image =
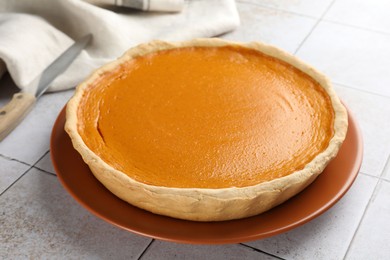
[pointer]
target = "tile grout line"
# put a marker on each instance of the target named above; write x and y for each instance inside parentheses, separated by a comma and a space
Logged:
(44, 171)
(12, 184)
(314, 27)
(368, 175)
(358, 27)
(387, 166)
(276, 9)
(360, 90)
(40, 169)
(44, 154)
(21, 176)
(385, 180)
(146, 249)
(261, 251)
(373, 176)
(13, 159)
(361, 219)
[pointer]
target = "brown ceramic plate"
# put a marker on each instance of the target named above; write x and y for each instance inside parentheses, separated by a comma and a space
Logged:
(327, 189)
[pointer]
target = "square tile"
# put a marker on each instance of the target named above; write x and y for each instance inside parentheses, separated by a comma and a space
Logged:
(267, 25)
(39, 220)
(10, 171)
(372, 14)
(372, 113)
(328, 236)
(167, 250)
(373, 236)
(350, 56)
(45, 164)
(31, 139)
(314, 8)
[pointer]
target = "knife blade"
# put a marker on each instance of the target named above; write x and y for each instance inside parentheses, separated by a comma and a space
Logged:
(22, 103)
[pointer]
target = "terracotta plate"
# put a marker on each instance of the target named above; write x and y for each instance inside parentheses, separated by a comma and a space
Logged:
(329, 187)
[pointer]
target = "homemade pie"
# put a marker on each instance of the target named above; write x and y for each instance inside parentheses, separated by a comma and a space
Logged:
(207, 129)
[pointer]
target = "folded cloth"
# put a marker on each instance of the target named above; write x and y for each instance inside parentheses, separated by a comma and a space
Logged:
(34, 33)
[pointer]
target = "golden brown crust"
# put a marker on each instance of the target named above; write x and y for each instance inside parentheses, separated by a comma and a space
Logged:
(207, 204)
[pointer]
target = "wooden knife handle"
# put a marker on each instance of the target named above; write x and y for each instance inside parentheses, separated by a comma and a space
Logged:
(13, 113)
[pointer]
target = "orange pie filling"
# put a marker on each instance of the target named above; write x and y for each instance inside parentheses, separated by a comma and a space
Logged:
(206, 117)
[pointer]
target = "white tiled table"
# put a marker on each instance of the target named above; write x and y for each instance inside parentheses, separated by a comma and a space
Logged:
(347, 39)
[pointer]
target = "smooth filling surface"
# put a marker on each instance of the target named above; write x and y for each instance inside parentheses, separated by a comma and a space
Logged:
(206, 117)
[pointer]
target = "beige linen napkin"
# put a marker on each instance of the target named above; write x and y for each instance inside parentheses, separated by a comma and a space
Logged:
(34, 32)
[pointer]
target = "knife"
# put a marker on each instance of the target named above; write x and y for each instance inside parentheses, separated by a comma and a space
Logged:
(22, 103)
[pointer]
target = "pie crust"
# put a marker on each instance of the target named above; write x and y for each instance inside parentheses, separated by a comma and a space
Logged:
(206, 204)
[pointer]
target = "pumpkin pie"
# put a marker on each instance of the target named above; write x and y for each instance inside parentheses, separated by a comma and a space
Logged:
(207, 129)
